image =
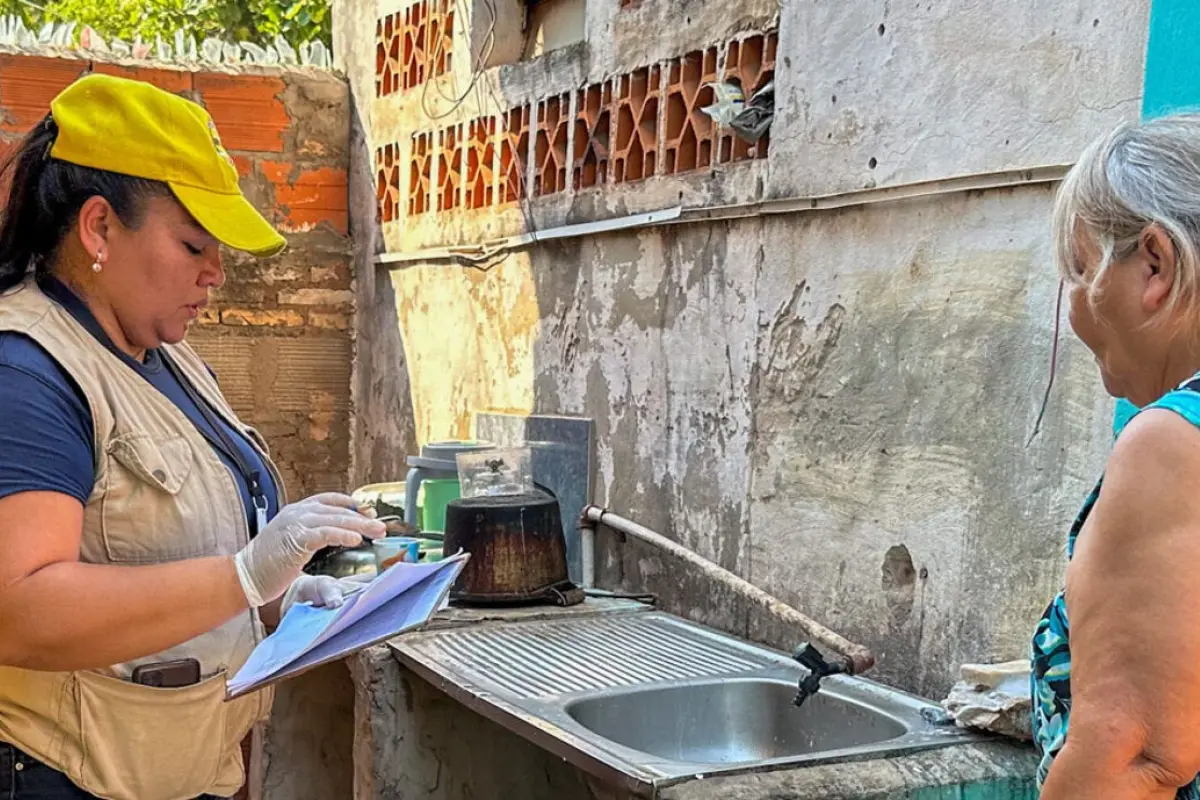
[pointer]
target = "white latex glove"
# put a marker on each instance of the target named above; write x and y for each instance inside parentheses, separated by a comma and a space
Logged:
(273, 560)
(323, 591)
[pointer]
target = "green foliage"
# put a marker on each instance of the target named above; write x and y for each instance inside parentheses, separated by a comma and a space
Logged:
(258, 21)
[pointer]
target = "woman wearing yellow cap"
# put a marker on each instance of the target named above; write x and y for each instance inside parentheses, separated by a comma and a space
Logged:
(144, 532)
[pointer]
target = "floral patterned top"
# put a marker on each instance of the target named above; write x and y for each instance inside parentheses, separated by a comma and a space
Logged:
(1051, 675)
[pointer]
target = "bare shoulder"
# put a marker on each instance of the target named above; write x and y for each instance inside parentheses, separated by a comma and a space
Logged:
(1156, 458)
(1146, 523)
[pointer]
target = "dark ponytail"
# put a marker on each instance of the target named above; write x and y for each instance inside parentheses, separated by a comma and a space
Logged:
(44, 198)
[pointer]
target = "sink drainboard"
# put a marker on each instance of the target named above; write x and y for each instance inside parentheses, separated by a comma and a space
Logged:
(643, 700)
(546, 659)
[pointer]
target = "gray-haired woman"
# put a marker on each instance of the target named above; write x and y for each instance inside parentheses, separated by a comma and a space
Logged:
(1116, 689)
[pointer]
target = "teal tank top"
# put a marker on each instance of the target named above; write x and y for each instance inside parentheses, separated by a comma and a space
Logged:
(1051, 658)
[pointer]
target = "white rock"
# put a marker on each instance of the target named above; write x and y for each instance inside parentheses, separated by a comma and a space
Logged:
(994, 698)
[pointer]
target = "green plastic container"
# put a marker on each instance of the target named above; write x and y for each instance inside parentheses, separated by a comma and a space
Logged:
(438, 494)
(431, 550)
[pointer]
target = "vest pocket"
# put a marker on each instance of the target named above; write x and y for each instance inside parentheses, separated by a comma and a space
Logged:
(159, 744)
(145, 517)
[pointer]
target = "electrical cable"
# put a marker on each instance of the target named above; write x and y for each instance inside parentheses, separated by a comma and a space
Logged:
(477, 69)
(491, 258)
(1037, 425)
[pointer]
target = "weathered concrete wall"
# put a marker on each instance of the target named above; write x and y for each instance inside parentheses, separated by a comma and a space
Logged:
(382, 428)
(834, 405)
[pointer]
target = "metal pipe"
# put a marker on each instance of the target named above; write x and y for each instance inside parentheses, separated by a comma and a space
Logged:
(487, 250)
(587, 546)
(857, 659)
(675, 215)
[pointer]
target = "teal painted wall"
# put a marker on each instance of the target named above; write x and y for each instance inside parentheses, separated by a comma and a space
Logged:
(1011, 789)
(1171, 83)
(1172, 79)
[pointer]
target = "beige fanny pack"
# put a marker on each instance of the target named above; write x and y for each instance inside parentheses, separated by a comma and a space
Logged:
(125, 741)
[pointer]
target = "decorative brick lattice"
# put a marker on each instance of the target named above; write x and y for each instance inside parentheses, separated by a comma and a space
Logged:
(593, 129)
(450, 168)
(416, 42)
(420, 170)
(413, 46)
(514, 154)
(550, 151)
(440, 42)
(635, 152)
(387, 182)
(632, 127)
(387, 55)
(690, 132)
(750, 63)
(481, 158)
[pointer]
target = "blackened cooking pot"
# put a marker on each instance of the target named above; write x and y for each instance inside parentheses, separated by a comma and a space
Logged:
(518, 552)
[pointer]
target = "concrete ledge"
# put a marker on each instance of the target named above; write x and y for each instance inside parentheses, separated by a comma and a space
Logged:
(992, 771)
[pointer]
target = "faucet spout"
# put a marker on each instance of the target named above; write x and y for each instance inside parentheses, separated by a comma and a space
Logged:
(811, 659)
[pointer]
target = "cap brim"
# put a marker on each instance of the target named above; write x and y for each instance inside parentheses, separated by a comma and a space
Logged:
(231, 220)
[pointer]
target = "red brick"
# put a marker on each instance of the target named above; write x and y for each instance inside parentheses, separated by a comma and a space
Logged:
(317, 297)
(244, 165)
(307, 219)
(247, 316)
(246, 109)
(337, 322)
(29, 83)
(209, 316)
(172, 80)
(276, 171)
(315, 196)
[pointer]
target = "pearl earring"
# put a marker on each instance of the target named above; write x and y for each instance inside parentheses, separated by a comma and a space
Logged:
(97, 265)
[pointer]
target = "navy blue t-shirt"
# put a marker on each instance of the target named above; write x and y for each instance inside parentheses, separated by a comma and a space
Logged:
(46, 428)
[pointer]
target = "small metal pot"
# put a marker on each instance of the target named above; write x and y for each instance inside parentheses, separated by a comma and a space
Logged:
(343, 562)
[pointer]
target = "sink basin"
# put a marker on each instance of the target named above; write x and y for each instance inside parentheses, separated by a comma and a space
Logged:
(731, 722)
(643, 700)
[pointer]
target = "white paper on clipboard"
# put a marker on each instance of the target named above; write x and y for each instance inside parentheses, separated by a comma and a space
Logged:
(402, 598)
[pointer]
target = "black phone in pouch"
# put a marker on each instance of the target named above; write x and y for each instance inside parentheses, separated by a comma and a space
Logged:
(168, 674)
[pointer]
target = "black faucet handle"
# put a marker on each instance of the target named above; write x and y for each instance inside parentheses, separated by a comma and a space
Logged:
(811, 659)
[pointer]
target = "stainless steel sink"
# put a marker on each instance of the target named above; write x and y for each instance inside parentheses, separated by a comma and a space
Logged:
(643, 700)
(732, 722)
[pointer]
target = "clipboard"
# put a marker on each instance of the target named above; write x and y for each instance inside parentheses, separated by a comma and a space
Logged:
(401, 599)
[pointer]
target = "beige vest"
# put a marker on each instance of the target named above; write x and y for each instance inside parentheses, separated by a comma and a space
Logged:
(161, 494)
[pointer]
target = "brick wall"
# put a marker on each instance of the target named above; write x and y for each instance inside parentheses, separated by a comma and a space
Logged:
(278, 334)
(626, 128)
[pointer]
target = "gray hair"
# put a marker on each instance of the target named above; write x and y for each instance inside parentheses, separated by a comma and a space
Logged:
(1140, 174)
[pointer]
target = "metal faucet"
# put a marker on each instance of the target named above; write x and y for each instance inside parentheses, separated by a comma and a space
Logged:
(811, 659)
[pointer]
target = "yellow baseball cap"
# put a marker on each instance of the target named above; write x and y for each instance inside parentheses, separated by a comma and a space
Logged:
(134, 128)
